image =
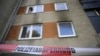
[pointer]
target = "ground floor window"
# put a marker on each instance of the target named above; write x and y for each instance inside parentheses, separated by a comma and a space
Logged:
(31, 32)
(65, 29)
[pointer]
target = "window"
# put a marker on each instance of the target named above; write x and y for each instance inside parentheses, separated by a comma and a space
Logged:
(60, 6)
(31, 32)
(65, 29)
(93, 13)
(88, 1)
(35, 9)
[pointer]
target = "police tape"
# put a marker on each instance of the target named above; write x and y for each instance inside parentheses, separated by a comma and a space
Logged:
(37, 50)
(49, 50)
(43, 50)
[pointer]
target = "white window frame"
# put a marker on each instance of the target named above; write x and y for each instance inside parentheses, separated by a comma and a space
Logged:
(30, 35)
(55, 5)
(60, 36)
(34, 7)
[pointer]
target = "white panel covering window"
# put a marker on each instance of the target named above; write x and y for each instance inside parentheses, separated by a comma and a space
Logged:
(31, 32)
(35, 9)
(65, 29)
(60, 6)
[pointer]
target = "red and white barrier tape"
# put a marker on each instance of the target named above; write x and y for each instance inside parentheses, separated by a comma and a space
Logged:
(38, 50)
(49, 51)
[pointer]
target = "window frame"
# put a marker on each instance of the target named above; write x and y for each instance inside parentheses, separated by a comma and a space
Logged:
(65, 4)
(30, 35)
(61, 36)
(35, 8)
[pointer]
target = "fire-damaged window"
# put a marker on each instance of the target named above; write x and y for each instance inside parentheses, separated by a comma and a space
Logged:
(66, 29)
(35, 9)
(60, 6)
(31, 32)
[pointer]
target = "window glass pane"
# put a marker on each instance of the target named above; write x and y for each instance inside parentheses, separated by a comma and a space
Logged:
(36, 30)
(98, 11)
(65, 29)
(39, 8)
(25, 32)
(60, 6)
(91, 13)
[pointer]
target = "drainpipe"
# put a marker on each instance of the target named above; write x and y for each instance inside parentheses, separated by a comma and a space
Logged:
(10, 23)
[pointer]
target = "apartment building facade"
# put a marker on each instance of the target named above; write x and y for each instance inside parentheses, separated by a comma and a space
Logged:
(52, 23)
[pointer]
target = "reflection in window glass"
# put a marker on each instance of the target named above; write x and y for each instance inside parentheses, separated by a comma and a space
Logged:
(97, 12)
(36, 30)
(91, 13)
(65, 29)
(60, 6)
(31, 32)
(25, 32)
